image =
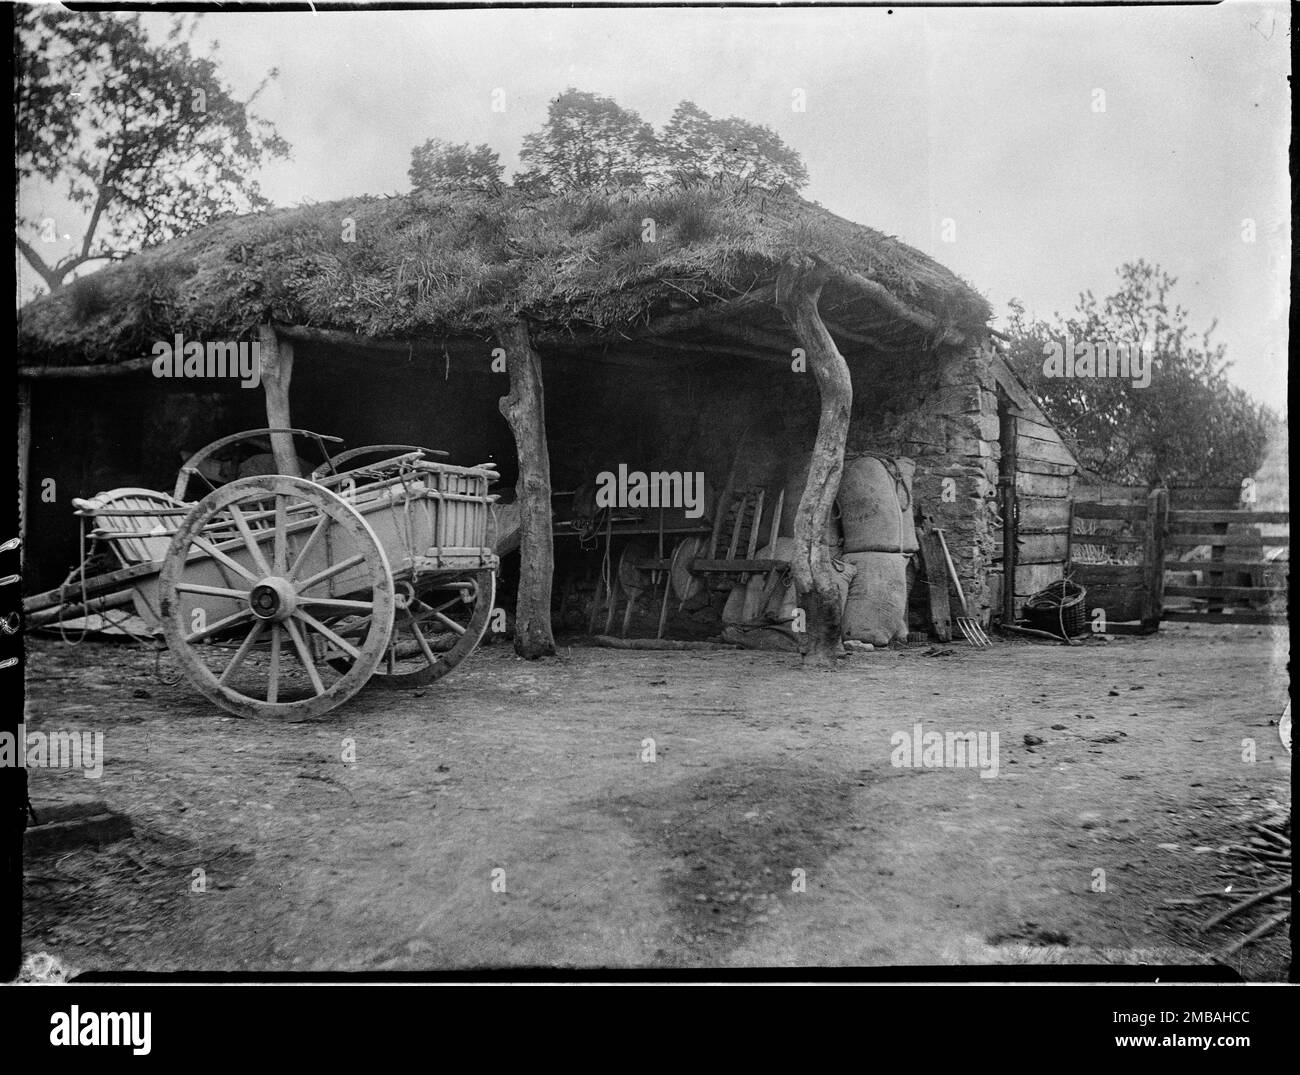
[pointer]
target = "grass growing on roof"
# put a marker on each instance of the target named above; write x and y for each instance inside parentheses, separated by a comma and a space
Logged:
(455, 263)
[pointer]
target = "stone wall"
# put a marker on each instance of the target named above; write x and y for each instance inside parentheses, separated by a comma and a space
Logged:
(941, 411)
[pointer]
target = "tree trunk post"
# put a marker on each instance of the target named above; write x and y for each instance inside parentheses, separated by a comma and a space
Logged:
(524, 409)
(819, 596)
(277, 371)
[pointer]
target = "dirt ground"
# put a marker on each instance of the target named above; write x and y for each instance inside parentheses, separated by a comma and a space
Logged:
(761, 770)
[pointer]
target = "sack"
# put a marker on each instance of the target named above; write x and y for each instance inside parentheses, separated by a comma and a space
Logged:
(796, 479)
(876, 610)
(875, 500)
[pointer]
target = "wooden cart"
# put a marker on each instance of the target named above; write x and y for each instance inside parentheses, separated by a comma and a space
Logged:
(283, 596)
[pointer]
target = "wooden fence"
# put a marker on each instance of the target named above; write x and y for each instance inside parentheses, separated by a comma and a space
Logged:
(1127, 548)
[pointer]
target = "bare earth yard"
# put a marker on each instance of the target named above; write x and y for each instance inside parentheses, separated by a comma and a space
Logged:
(761, 769)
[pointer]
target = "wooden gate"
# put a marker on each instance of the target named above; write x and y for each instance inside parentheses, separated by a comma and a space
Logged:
(1238, 571)
(1116, 549)
(1146, 556)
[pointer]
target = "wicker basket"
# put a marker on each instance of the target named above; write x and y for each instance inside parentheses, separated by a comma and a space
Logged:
(1059, 609)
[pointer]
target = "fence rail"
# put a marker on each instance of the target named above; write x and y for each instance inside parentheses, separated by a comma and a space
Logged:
(1131, 552)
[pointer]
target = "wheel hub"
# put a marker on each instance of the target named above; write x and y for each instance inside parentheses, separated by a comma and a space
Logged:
(273, 599)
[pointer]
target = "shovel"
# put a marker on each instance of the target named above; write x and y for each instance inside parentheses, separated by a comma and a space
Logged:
(970, 628)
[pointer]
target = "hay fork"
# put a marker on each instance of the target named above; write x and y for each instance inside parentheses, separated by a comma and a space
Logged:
(970, 628)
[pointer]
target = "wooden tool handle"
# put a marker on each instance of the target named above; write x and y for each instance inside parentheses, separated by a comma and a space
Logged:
(754, 524)
(952, 571)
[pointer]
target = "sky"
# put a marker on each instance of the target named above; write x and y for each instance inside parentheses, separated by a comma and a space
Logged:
(1031, 150)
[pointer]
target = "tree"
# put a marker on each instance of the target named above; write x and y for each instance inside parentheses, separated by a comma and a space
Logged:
(146, 137)
(800, 284)
(1188, 425)
(588, 141)
(524, 408)
(695, 142)
(437, 164)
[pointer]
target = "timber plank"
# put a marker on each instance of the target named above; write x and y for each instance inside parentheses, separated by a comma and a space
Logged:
(1261, 593)
(1088, 510)
(1248, 518)
(738, 565)
(1041, 466)
(1114, 574)
(1029, 447)
(1107, 539)
(1042, 548)
(1042, 485)
(1190, 540)
(1030, 426)
(1037, 512)
(1281, 567)
(936, 583)
(1011, 384)
(1205, 496)
(1120, 602)
(93, 586)
(1181, 616)
(1109, 494)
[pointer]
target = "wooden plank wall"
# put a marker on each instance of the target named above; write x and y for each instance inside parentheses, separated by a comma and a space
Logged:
(1045, 475)
(1044, 482)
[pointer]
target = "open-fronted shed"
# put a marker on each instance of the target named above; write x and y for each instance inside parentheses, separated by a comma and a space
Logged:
(706, 328)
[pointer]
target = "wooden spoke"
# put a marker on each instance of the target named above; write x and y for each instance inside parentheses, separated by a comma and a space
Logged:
(220, 625)
(339, 603)
(211, 591)
(273, 675)
(255, 632)
(320, 628)
(310, 544)
(449, 623)
(254, 549)
(304, 655)
(221, 557)
(330, 572)
(280, 553)
(423, 643)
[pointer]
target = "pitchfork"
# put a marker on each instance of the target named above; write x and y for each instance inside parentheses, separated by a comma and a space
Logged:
(970, 628)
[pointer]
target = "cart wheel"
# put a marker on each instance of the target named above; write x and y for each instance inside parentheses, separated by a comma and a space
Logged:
(632, 580)
(254, 587)
(686, 585)
(438, 623)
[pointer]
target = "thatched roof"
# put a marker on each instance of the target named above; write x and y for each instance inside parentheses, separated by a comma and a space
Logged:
(575, 266)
